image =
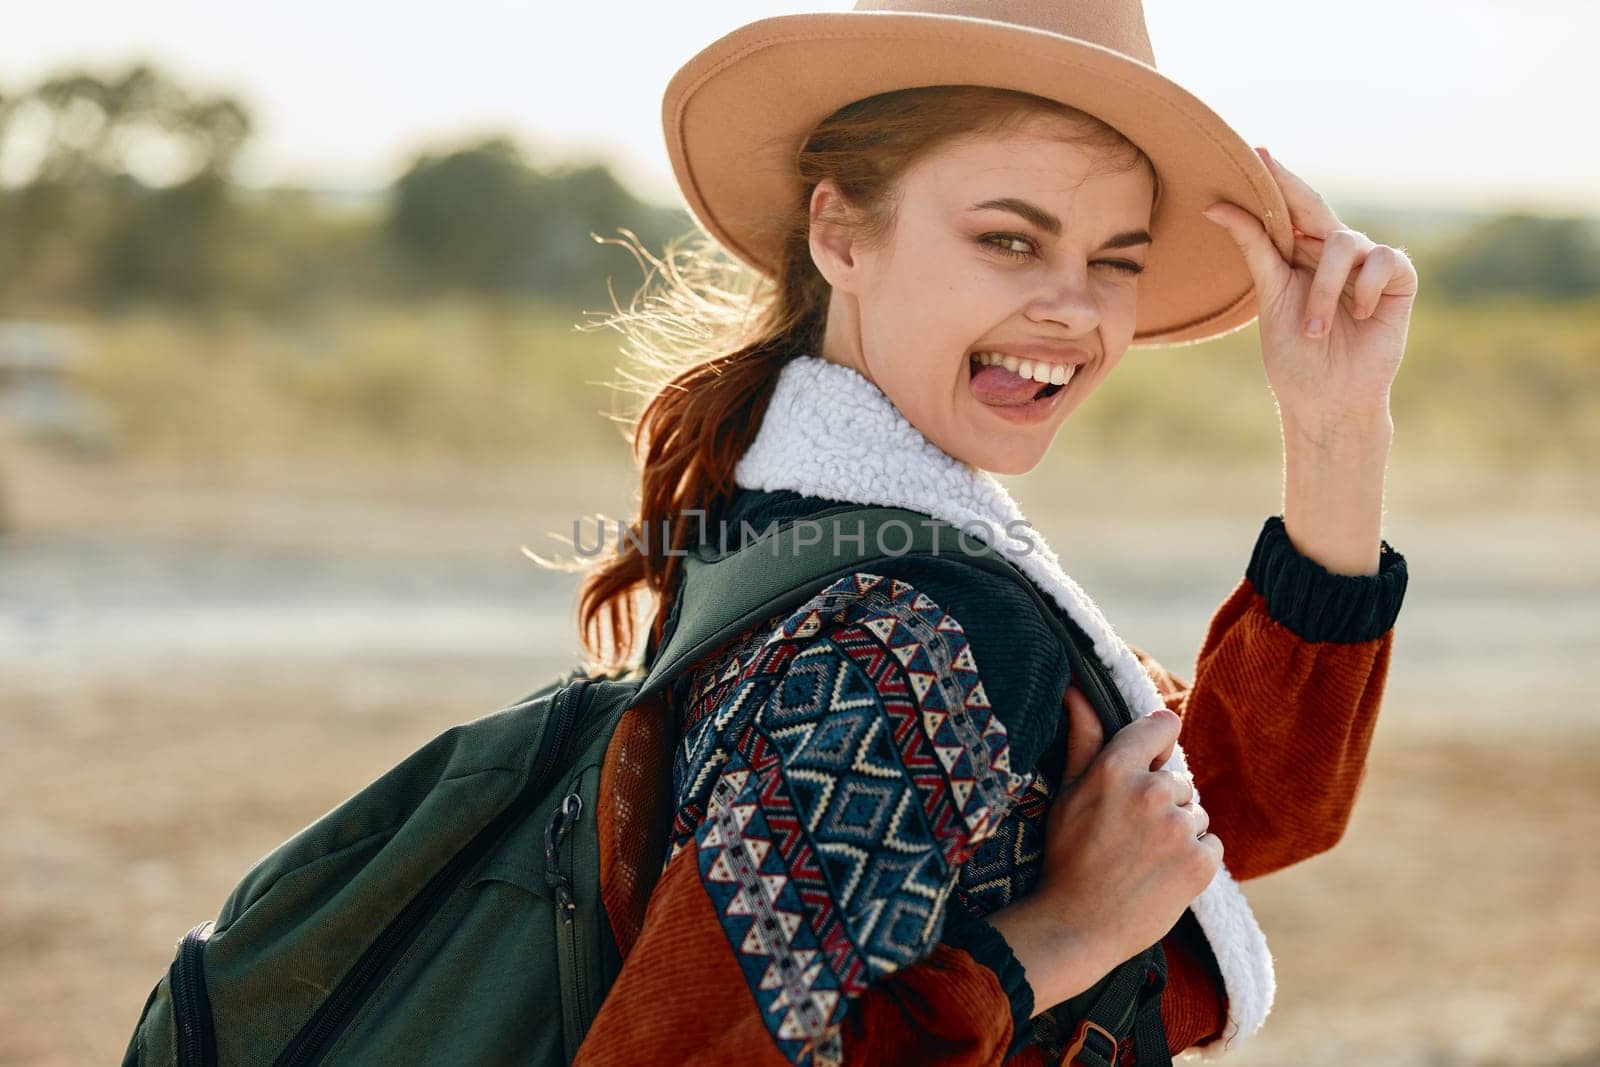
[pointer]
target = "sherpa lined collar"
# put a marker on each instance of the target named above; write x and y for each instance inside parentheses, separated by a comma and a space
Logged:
(829, 432)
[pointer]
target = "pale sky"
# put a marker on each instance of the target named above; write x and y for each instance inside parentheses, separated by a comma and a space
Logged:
(1484, 104)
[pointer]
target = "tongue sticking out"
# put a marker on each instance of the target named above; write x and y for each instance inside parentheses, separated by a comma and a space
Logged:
(995, 385)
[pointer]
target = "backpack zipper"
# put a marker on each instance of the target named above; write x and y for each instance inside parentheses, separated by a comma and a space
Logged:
(560, 873)
(334, 1014)
(574, 945)
(559, 879)
(566, 710)
(191, 1004)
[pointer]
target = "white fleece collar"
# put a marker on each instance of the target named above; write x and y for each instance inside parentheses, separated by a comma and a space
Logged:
(829, 432)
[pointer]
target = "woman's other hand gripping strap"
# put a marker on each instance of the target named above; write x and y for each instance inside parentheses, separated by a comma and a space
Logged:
(855, 766)
(1288, 684)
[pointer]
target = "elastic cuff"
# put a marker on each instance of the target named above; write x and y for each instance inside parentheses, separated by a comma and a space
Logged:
(1317, 604)
(988, 946)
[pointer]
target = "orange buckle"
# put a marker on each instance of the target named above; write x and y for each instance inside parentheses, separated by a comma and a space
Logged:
(1080, 1037)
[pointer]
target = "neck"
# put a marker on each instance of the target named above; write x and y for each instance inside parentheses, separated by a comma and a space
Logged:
(830, 432)
(841, 335)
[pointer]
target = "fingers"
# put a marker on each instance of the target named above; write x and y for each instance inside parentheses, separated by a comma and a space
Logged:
(1164, 755)
(1374, 275)
(1146, 742)
(1309, 212)
(1170, 787)
(1342, 251)
(1181, 786)
(1387, 272)
(1085, 734)
(1267, 267)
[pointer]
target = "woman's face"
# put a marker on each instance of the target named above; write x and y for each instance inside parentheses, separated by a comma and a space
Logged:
(1011, 246)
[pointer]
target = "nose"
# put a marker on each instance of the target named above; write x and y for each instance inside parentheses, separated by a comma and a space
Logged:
(1066, 297)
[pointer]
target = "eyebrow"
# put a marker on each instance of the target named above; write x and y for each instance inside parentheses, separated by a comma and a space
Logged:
(1052, 225)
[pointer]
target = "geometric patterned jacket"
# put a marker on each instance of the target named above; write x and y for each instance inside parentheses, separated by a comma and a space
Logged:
(856, 783)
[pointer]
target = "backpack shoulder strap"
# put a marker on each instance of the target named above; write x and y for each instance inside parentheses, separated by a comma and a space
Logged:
(721, 596)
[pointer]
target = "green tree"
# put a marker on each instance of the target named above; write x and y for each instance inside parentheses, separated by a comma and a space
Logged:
(1520, 255)
(463, 214)
(480, 217)
(98, 126)
(91, 221)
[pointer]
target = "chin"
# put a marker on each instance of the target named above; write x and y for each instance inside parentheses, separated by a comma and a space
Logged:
(1016, 468)
(1009, 461)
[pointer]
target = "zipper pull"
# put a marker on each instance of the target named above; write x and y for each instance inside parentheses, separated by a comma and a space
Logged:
(555, 831)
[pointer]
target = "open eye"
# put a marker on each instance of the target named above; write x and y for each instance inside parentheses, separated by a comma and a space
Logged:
(999, 241)
(1004, 242)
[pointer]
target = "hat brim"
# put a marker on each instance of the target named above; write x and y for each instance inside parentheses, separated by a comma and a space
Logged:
(736, 115)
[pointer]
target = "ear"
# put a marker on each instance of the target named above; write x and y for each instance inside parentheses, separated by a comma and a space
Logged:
(832, 238)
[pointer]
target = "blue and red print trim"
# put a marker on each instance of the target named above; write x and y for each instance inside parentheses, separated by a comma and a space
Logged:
(835, 773)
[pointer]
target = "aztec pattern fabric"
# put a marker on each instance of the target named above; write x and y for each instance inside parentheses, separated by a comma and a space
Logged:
(834, 778)
(1005, 868)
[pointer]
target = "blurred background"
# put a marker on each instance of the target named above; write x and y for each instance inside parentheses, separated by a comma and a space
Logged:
(297, 353)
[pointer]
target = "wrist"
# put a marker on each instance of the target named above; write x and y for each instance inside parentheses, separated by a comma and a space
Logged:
(1334, 470)
(1361, 431)
(1058, 961)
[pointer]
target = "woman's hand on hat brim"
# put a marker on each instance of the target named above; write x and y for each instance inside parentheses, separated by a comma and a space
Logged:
(1333, 317)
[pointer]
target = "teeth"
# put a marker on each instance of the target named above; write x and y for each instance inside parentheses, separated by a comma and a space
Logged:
(1041, 372)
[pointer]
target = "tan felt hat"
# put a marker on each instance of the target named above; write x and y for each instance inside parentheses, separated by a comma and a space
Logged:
(738, 112)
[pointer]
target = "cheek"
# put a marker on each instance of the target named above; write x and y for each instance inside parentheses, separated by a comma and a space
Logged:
(962, 307)
(1127, 315)
(935, 310)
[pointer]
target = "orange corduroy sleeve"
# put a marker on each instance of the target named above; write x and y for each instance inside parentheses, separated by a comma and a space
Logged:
(1277, 770)
(682, 998)
(1194, 1006)
(1276, 727)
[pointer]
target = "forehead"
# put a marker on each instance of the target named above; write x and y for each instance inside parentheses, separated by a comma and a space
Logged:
(1036, 162)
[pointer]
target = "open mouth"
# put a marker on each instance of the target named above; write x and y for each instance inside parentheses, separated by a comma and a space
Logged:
(1044, 390)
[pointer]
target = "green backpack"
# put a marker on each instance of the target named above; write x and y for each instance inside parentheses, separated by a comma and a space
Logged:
(449, 911)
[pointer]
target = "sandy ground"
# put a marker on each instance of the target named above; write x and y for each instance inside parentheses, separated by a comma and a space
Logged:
(144, 765)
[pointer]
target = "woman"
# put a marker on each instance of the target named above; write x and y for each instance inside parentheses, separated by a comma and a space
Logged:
(966, 224)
